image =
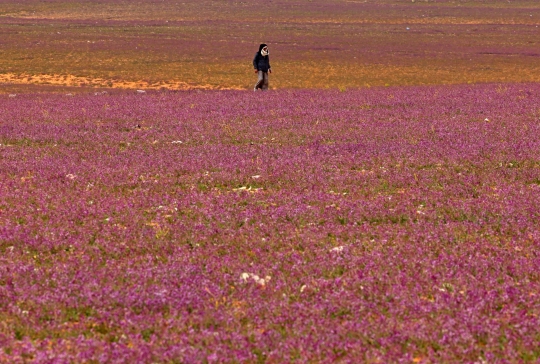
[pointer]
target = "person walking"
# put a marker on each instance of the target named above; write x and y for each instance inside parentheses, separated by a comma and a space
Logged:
(261, 62)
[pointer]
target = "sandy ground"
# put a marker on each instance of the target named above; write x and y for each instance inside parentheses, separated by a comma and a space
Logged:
(77, 81)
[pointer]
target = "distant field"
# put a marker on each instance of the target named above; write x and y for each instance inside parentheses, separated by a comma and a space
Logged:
(314, 44)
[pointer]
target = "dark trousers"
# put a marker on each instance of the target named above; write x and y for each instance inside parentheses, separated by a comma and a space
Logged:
(262, 82)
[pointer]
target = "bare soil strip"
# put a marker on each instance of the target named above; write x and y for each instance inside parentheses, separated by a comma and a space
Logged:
(77, 81)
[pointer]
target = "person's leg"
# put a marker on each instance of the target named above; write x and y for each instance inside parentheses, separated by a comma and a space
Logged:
(265, 81)
(260, 81)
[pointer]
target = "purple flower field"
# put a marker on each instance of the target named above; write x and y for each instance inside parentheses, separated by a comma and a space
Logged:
(376, 225)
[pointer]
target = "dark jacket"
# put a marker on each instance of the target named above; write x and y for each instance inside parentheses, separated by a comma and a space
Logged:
(260, 62)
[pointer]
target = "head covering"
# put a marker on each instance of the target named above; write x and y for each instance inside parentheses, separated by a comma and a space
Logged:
(263, 53)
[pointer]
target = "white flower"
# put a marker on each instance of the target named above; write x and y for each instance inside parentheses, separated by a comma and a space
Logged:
(244, 276)
(337, 249)
(260, 281)
(302, 288)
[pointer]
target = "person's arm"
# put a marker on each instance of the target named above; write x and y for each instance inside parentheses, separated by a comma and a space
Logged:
(269, 67)
(255, 59)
